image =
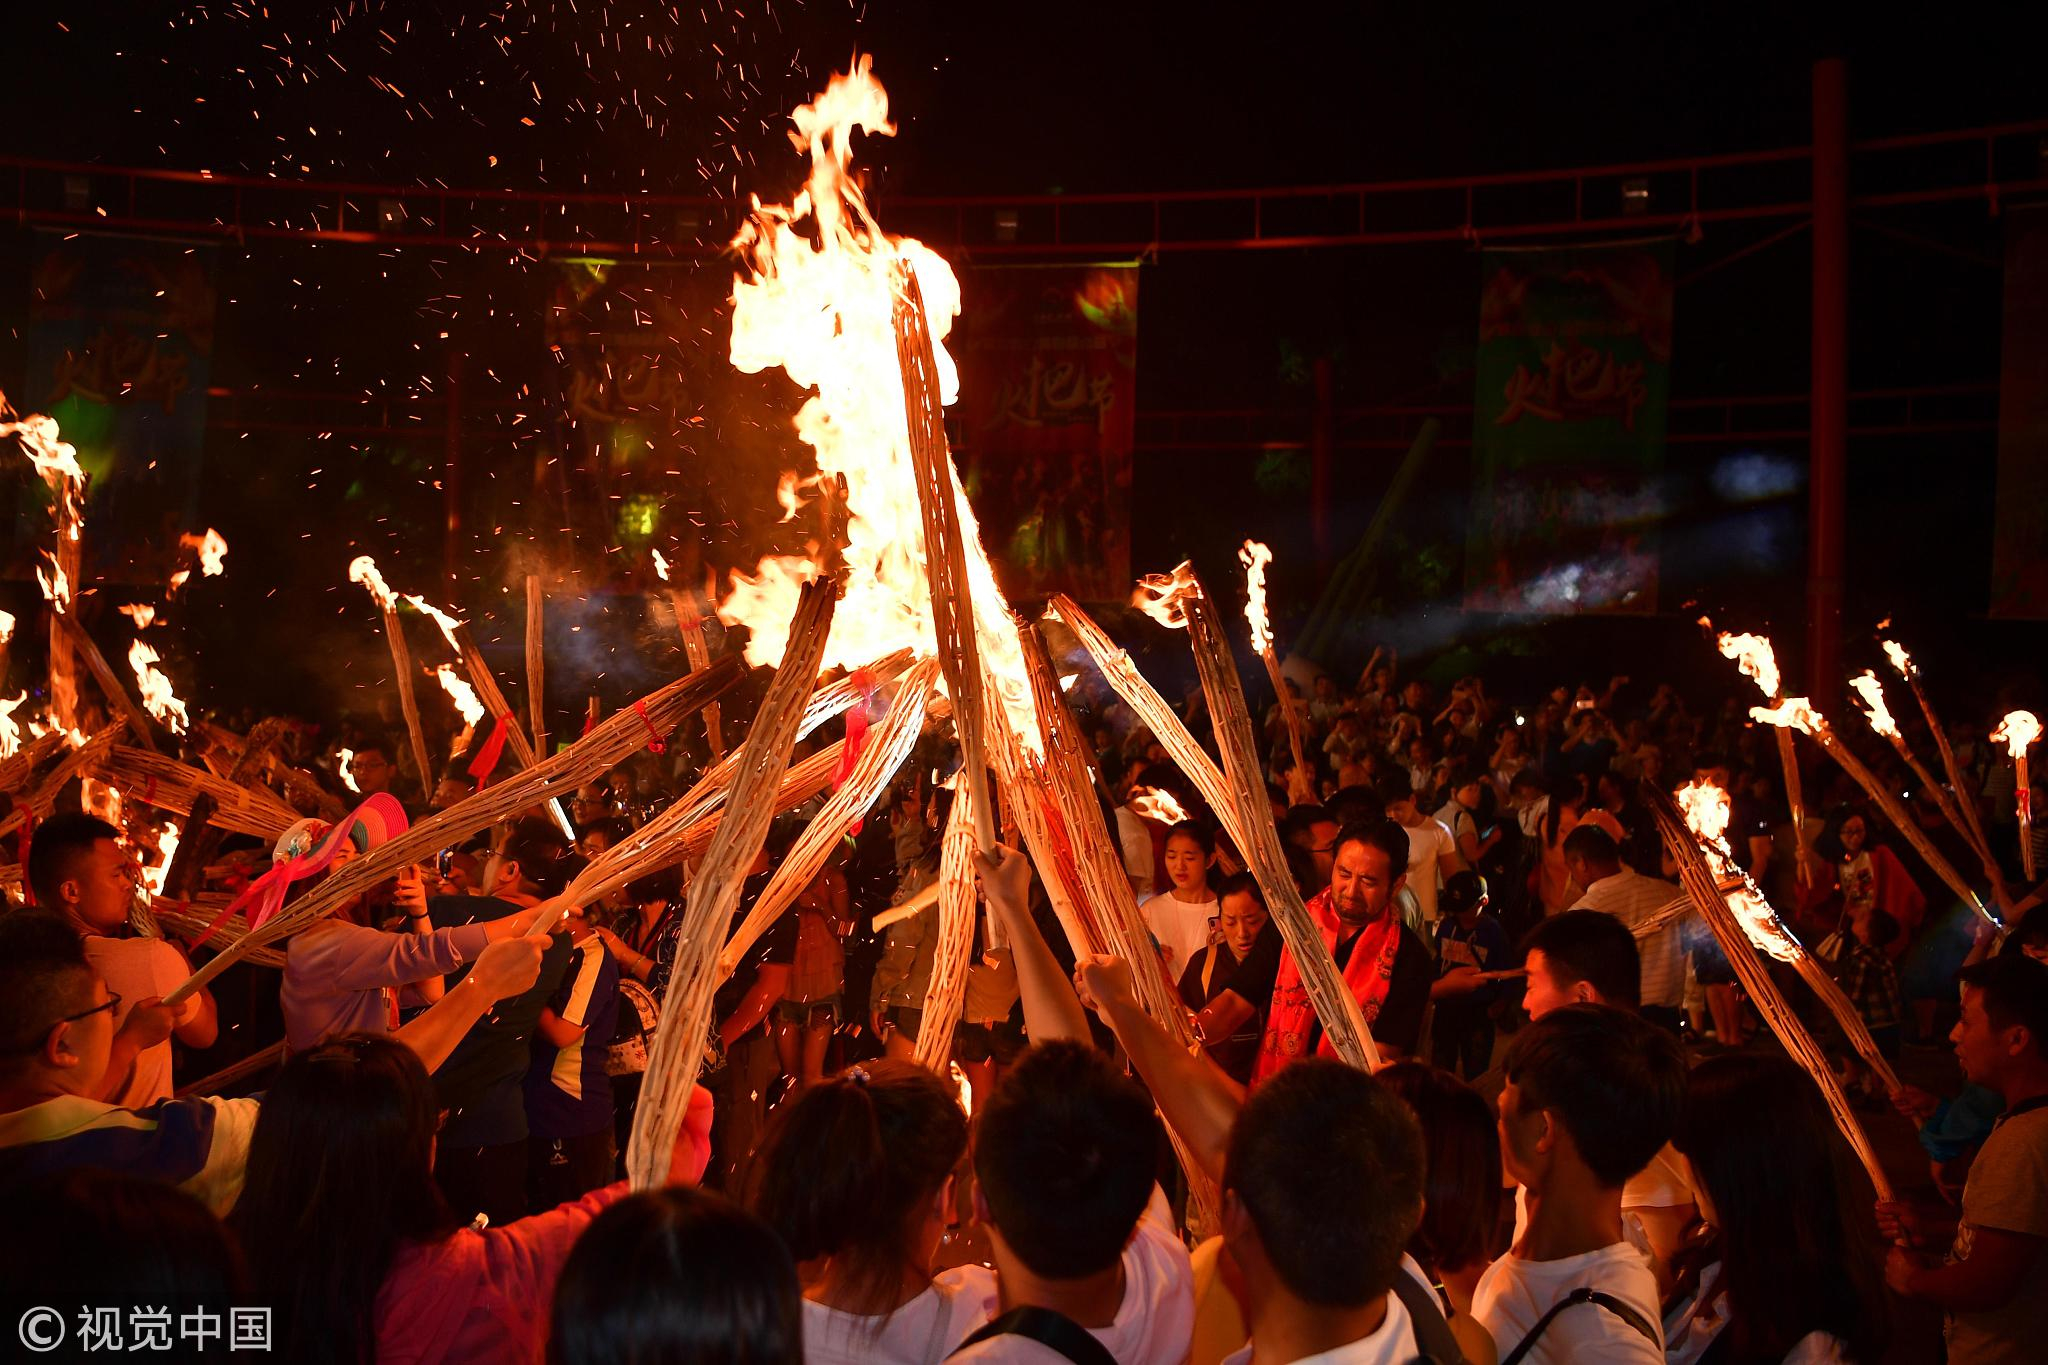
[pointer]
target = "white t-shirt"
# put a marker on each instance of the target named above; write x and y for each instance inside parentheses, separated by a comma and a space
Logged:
(1392, 1344)
(921, 1332)
(1663, 1184)
(1514, 1294)
(1182, 928)
(1152, 1327)
(1690, 1333)
(1427, 842)
(138, 969)
(1136, 843)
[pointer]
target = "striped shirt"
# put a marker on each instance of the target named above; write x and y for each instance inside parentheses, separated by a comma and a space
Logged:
(200, 1144)
(1629, 896)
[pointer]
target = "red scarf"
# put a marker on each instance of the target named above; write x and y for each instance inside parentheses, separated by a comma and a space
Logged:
(1367, 974)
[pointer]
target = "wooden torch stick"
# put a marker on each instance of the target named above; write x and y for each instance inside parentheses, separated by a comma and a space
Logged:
(1795, 797)
(945, 558)
(677, 1049)
(497, 708)
(75, 635)
(1343, 1023)
(1871, 692)
(1965, 798)
(2017, 732)
(408, 700)
(959, 903)
(1255, 557)
(1698, 880)
(536, 664)
(1803, 717)
(690, 625)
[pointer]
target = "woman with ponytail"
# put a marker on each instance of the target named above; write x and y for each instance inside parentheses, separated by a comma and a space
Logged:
(856, 1177)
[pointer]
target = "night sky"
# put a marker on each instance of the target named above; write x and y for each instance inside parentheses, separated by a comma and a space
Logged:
(1045, 98)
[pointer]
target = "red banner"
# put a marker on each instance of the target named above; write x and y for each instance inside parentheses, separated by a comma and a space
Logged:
(1048, 360)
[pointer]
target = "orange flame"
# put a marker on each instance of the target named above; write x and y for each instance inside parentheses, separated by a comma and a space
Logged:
(141, 613)
(448, 624)
(1255, 557)
(461, 693)
(97, 798)
(1796, 712)
(56, 584)
(2018, 730)
(1158, 595)
(363, 569)
(342, 759)
(157, 697)
(1901, 660)
(10, 732)
(1150, 803)
(1754, 655)
(818, 299)
(211, 549)
(154, 875)
(1705, 808)
(6, 626)
(1872, 691)
(661, 566)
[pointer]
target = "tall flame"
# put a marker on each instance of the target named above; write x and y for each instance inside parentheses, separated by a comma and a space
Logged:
(461, 693)
(1255, 557)
(1796, 712)
(448, 624)
(363, 569)
(1872, 691)
(661, 566)
(343, 758)
(2018, 730)
(1901, 660)
(10, 732)
(56, 584)
(157, 697)
(6, 626)
(1158, 595)
(1705, 808)
(818, 299)
(1754, 655)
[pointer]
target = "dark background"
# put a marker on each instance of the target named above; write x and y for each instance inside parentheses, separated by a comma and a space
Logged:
(1014, 99)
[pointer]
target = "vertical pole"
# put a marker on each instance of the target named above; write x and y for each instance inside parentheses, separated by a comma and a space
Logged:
(1829, 418)
(451, 478)
(1319, 468)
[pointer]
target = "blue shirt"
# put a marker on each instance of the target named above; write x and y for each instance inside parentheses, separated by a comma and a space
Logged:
(568, 1094)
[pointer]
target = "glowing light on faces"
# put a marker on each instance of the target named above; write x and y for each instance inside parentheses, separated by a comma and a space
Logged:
(1872, 692)
(1255, 557)
(817, 300)
(157, 697)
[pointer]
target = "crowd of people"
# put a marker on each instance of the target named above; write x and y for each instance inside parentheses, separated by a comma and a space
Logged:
(1581, 1146)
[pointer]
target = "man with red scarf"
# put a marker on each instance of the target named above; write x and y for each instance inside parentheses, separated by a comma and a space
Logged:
(1385, 964)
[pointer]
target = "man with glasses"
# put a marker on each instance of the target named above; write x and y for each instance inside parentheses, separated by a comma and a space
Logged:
(58, 1041)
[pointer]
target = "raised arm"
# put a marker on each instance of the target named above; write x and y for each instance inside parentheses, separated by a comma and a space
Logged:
(503, 969)
(1193, 1094)
(1051, 1009)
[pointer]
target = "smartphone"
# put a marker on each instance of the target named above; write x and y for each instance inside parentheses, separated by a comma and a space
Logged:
(444, 863)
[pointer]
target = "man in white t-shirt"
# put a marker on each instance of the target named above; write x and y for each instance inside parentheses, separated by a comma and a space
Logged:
(1432, 852)
(1064, 1155)
(78, 868)
(1592, 1093)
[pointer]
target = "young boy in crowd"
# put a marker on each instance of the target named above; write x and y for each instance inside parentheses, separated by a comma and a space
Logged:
(1592, 1093)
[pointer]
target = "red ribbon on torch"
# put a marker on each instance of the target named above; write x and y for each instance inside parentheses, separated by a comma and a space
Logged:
(486, 761)
(856, 734)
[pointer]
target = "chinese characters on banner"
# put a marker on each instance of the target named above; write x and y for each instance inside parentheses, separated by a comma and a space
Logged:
(1568, 430)
(2019, 537)
(1048, 362)
(120, 341)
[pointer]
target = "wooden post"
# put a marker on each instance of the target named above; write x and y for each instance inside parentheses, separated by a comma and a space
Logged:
(536, 665)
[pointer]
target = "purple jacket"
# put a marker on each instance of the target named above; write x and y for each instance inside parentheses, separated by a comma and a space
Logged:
(338, 975)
